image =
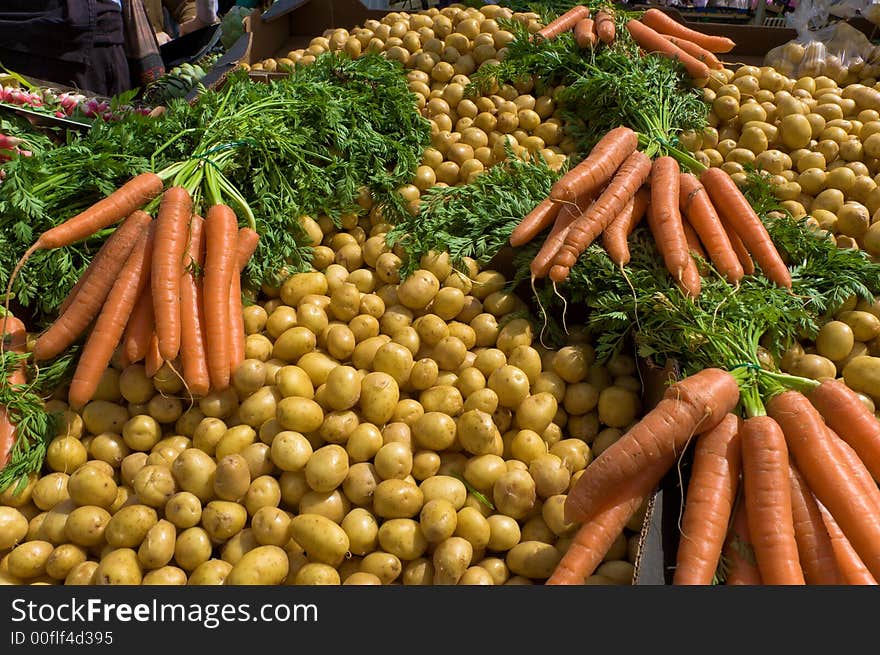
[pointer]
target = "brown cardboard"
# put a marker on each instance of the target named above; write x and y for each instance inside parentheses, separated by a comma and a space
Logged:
(291, 24)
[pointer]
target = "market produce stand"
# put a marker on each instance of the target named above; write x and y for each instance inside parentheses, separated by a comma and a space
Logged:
(362, 317)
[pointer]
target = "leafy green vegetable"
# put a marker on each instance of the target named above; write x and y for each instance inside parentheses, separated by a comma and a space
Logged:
(472, 220)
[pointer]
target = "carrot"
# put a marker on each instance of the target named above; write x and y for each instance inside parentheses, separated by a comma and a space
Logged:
(247, 244)
(605, 28)
(597, 167)
(662, 23)
(767, 494)
(172, 221)
(690, 282)
(664, 217)
(192, 313)
(692, 238)
(533, 223)
(140, 328)
(110, 324)
(695, 404)
(852, 569)
(221, 233)
(614, 238)
(737, 212)
(130, 196)
(585, 33)
(588, 226)
(850, 419)
(827, 474)
(14, 337)
(105, 268)
(697, 52)
(739, 249)
(543, 260)
(699, 211)
(857, 470)
(738, 551)
(815, 550)
(152, 360)
(709, 502)
(564, 22)
(593, 539)
(652, 41)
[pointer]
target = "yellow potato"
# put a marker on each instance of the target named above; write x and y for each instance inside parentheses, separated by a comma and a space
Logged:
(264, 565)
(119, 567)
(321, 538)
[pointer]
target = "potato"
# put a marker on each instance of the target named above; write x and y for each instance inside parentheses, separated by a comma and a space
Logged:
(514, 493)
(128, 527)
(221, 519)
(47, 492)
(865, 325)
(535, 560)
(477, 433)
(210, 572)
(155, 484)
(451, 558)
(183, 509)
(403, 538)
(85, 526)
(360, 484)
(89, 486)
(397, 499)
(835, 340)
(550, 474)
(299, 414)
(327, 468)
(13, 527)
(299, 285)
(119, 567)
(157, 548)
(28, 560)
(862, 374)
(511, 385)
(264, 565)
(618, 407)
(362, 530)
(63, 559)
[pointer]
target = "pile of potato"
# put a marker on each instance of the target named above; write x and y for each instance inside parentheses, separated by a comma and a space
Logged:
(440, 48)
(819, 142)
(379, 432)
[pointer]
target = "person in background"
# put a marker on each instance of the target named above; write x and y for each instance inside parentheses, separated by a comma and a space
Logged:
(75, 43)
(173, 18)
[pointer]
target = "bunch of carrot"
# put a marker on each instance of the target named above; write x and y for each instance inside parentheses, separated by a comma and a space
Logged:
(786, 497)
(13, 337)
(654, 32)
(616, 185)
(158, 290)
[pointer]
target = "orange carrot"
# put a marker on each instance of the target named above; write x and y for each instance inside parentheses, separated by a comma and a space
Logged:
(850, 419)
(153, 360)
(664, 24)
(598, 167)
(767, 494)
(172, 222)
(535, 222)
(739, 249)
(588, 226)
(140, 328)
(695, 404)
(651, 41)
(697, 52)
(742, 569)
(827, 475)
(690, 282)
(594, 537)
(564, 22)
(815, 550)
(585, 33)
(543, 260)
(692, 238)
(614, 238)
(664, 217)
(852, 569)
(605, 28)
(130, 196)
(192, 313)
(247, 244)
(737, 212)
(221, 233)
(700, 213)
(105, 267)
(14, 337)
(709, 502)
(110, 324)
(857, 470)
